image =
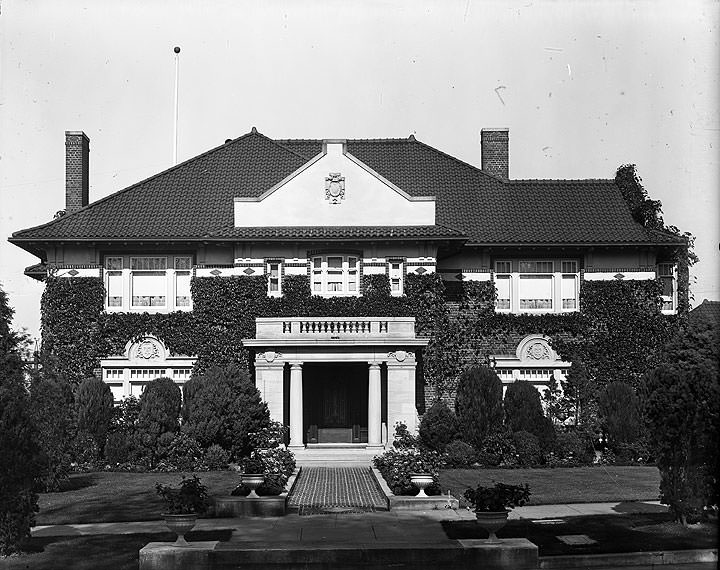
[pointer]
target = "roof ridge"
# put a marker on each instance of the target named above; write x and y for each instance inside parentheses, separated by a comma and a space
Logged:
(253, 132)
(459, 161)
(277, 142)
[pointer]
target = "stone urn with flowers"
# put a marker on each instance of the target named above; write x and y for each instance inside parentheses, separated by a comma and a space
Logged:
(184, 504)
(492, 505)
(253, 474)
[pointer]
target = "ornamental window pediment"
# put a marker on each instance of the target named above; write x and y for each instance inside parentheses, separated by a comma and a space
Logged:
(143, 360)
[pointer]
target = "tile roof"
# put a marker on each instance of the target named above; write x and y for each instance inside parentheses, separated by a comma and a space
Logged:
(338, 232)
(707, 310)
(194, 200)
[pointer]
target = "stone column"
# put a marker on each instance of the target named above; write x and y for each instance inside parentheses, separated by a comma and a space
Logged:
(296, 407)
(401, 390)
(374, 406)
(269, 382)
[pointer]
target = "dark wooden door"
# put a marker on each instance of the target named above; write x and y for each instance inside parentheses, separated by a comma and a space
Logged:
(335, 403)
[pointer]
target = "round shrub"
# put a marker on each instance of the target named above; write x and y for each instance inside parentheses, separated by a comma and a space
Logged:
(527, 449)
(224, 407)
(94, 409)
(184, 454)
(460, 454)
(216, 458)
(438, 427)
(478, 404)
(498, 450)
(572, 448)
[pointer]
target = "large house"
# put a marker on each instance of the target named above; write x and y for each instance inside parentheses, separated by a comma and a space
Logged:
(335, 211)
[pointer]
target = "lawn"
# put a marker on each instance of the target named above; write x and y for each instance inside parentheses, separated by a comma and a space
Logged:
(597, 484)
(119, 497)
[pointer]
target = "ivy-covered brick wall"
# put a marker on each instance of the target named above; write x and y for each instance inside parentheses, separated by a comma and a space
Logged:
(618, 336)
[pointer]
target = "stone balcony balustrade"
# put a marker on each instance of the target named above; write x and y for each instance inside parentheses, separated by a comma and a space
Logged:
(335, 328)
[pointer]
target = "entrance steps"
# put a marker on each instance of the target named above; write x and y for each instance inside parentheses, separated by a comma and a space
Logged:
(336, 455)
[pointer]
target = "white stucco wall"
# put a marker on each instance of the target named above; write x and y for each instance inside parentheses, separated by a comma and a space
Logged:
(301, 200)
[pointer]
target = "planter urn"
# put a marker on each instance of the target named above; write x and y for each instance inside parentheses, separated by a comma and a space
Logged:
(180, 525)
(421, 480)
(252, 481)
(492, 521)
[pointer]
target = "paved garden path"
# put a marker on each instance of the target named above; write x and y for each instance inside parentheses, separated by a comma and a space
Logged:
(331, 490)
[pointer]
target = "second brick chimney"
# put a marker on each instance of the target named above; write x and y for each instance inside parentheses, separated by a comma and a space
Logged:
(77, 170)
(494, 148)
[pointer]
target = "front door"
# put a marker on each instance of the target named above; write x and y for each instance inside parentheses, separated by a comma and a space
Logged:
(335, 403)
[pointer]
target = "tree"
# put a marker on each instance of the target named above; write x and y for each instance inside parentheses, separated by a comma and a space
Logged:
(682, 406)
(478, 404)
(620, 414)
(51, 407)
(94, 409)
(223, 407)
(21, 461)
(158, 420)
(523, 412)
(438, 426)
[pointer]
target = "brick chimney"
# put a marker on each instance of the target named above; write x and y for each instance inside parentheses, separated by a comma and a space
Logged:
(494, 148)
(77, 170)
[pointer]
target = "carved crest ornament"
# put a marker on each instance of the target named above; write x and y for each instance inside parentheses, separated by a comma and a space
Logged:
(538, 350)
(148, 350)
(334, 187)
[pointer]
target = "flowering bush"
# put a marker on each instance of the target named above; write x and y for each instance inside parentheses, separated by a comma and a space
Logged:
(403, 439)
(190, 497)
(499, 498)
(396, 465)
(269, 437)
(277, 464)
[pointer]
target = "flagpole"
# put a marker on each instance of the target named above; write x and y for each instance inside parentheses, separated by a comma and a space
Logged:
(175, 122)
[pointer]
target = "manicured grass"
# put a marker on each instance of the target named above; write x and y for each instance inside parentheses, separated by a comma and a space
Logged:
(119, 497)
(596, 484)
(611, 533)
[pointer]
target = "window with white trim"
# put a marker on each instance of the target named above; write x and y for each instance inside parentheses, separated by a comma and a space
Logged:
(273, 274)
(153, 283)
(183, 268)
(666, 274)
(335, 275)
(395, 273)
(535, 286)
(569, 285)
(114, 281)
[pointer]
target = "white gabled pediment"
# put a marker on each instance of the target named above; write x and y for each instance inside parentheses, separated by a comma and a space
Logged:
(334, 189)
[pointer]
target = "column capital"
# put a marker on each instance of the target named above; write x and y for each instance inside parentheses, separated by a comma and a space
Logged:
(296, 365)
(374, 365)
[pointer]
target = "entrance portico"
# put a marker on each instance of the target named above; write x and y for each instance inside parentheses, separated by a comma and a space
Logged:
(338, 380)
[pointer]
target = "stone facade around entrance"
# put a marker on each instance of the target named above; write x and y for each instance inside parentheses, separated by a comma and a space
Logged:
(380, 343)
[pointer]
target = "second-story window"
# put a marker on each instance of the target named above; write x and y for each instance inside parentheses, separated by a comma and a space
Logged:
(535, 288)
(666, 274)
(548, 286)
(395, 270)
(153, 283)
(273, 275)
(148, 282)
(335, 275)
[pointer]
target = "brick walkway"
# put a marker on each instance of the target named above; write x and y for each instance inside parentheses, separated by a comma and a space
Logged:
(336, 490)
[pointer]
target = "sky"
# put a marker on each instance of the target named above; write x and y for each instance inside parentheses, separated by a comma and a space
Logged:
(584, 87)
